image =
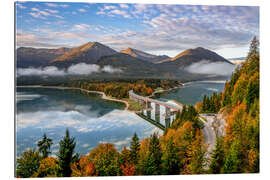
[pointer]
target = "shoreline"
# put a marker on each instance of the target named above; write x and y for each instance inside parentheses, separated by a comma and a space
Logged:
(165, 90)
(103, 95)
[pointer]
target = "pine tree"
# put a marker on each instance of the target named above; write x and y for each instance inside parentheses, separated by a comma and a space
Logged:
(66, 155)
(134, 149)
(153, 163)
(28, 163)
(44, 146)
(170, 159)
(232, 162)
(217, 157)
(254, 46)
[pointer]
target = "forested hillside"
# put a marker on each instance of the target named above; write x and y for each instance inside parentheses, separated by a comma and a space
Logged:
(238, 151)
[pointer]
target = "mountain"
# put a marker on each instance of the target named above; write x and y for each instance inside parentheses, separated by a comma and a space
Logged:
(143, 55)
(88, 53)
(32, 57)
(190, 56)
(130, 66)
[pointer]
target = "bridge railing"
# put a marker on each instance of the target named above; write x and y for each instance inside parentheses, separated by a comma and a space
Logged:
(146, 99)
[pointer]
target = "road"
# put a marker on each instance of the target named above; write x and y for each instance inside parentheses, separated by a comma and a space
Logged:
(208, 133)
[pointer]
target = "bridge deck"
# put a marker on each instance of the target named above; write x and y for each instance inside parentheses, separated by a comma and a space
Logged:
(146, 99)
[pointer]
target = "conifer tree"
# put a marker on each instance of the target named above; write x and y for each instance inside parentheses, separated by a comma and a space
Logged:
(153, 163)
(134, 149)
(66, 155)
(28, 163)
(170, 159)
(217, 157)
(44, 146)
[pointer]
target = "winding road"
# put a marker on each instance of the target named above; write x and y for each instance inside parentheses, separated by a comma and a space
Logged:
(208, 133)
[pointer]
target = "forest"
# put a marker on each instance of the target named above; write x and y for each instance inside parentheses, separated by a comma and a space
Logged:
(180, 150)
(119, 88)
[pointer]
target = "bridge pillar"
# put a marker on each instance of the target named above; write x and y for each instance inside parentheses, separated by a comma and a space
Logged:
(167, 117)
(148, 105)
(157, 109)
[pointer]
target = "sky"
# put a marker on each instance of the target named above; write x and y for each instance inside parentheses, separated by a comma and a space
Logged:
(154, 28)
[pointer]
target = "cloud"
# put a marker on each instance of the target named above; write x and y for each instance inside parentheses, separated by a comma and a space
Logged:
(81, 10)
(124, 6)
(83, 69)
(55, 5)
(43, 14)
(49, 71)
(213, 68)
(77, 69)
(84, 27)
(52, 11)
(20, 6)
(110, 69)
(113, 10)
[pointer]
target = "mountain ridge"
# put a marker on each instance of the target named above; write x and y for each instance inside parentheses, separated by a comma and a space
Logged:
(143, 55)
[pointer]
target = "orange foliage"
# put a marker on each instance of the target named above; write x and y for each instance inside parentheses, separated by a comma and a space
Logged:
(47, 168)
(128, 169)
(83, 168)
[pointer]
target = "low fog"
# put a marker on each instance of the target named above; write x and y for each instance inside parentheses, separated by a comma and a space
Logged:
(77, 69)
(214, 68)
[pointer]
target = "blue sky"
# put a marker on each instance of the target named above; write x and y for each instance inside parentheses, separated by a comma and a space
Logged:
(157, 29)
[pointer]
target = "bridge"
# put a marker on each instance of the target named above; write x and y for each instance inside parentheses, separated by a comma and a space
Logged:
(169, 107)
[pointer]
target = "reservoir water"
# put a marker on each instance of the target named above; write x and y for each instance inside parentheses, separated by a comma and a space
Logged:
(192, 92)
(90, 119)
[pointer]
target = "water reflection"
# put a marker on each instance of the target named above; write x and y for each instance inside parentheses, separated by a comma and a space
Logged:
(90, 120)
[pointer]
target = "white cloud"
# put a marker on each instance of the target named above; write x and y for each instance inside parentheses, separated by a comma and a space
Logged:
(52, 11)
(20, 6)
(49, 71)
(82, 69)
(52, 4)
(110, 69)
(55, 5)
(213, 68)
(124, 6)
(82, 27)
(77, 69)
(81, 10)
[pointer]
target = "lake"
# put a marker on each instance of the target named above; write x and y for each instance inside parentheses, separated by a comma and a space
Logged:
(192, 92)
(90, 119)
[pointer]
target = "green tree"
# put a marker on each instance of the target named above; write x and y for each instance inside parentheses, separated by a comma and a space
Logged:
(106, 160)
(66, 155)
(217, 157)
(153, 162)
(28, 163)
(170, 159)
(232, 162)
(254, 46)
(134, 149)
(44, 146)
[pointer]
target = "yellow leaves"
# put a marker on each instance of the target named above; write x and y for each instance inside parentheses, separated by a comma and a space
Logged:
(47, 168)
(240, 89)
(252, 155)
(198, 106)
